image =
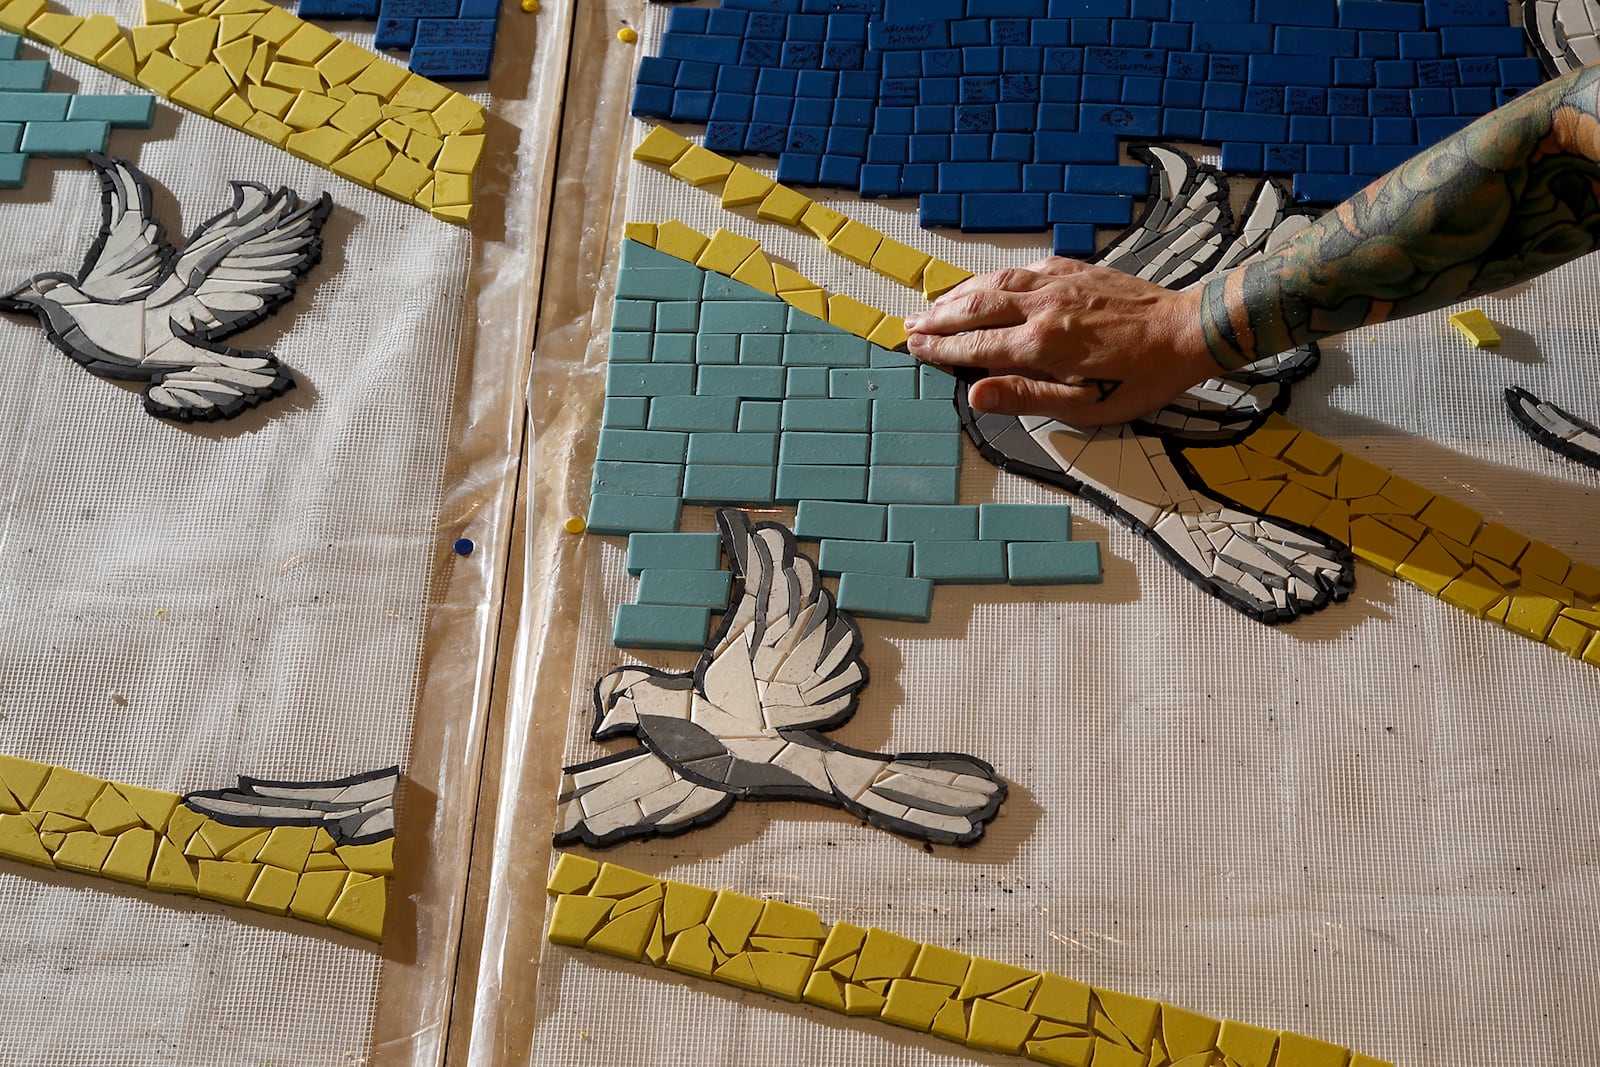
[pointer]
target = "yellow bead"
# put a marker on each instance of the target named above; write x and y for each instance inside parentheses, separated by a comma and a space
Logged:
(576, 525)
(627, 35)
(530, 6)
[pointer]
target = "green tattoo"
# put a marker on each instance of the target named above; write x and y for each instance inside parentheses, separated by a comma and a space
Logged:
(1513, 195)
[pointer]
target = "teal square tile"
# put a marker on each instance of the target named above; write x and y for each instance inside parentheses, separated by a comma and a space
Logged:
(760, 416)
(716, 348)
(672, 348)
(636, 315)
(677, 316)
(806, 381)
(629, 348)
(626, 412)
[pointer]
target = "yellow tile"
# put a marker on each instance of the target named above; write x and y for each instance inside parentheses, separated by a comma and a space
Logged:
(306, 45)
(268, 128)
(205, 89)
(1216, 466)
(724, 252)
(890, 333)
(574, 919)
(403, 177)
(733, 916)
(1534, 584)
(315, 893)
(1063, 1051)
(111, 814)
(1187, 1033)
(885, 955)
(461, 153)
(939, 277)
(148, 39)
(679, 241)
(380, 79)
(900, 262)
(986, 976)
(158, 13)
(1248, 1046)
(572, 874)
(53, 27)
(324, 861)
(1475, 326)
(358, 116)
(294, 77)
(997, 1028)
(273, 891)
(92, 38)
(16, 15)
(1359, 1060)
(1474, 591)
(745, 186)
(420, 93)
(310, 111)
(194, 41)
(700, 166)
(56, 821)
(1135, 1016)
(856, 242)
(235, 57)
(1311, 453)
(364, 164)
(274, 26)
(161, 74)
(1500, 543)
(1410, 497)
(1545, 561)
(344, 62)
(684, 906)
(245, 851)
(460, 215)
(942, 965)
(84, 852)
(1451, 518)
(129, 860)
(825, 991)
(851, 315)
(171, 872)
(9, 805)
(914, 1004)
(225, 881)
(756, 272)
(1378, 545)
(1297, 504)
(784, 205)
(458, 114)
(23, 777)
(1591, 654)
(1357, 478)
(20, 841)
(642, 232)
(423, 148)
(1016, 996)
(859, 1000)
(51, 840)
(844, 940)
(1430, 567)
(655, 952)
(1584, 580)
(951, 1022)
(787, 279)
(662, 147)
(287, 847)
(395, 133)
(420, 121)
(326, 144)
(256, 72)
(1532, 615)
(68, 792)
(360, 908)
(823, 222)
(813, 302)
(234, 27)
(221, 838)
(782, 919)
(793, 946)
(690, 952)
(739, 971)
(1110, 1054)
(627, 935)
(183, 824)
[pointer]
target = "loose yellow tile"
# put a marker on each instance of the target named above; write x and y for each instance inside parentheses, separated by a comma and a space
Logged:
(461, 153)
(661, 146)
(315, 893)
(205, 88)
(273, 891)
(306, 45)
(852, 316)
(1475, 326)
(360, 908)
(784, 205)
(900, 262)
(423, 149)
(813, 302)
(701, 166)
(855, 241)
(679, 241)
(16, 15)
(294, 77)
(182, 824)
(859, 1000)
(823, 222)
(344, 63)
(195, 40)
(23, 777)
(268, 128)
(1430, 567)
(914, 1004)
(234, 111)
(725, 251)
(756, 272)
(997, 1028)
(359, 115)
(130, 856)
(68, 793)
(84, 851)
(323, 146)
(885, 955)
(53, 27)
(20, 841)
(171, 872)
(380, 79)
(951, 1022)
(939, 277)
(787, 279)
(458, 114)
(111, 813)
(733, 916)
(403, 177)
(1246, 1045)
(92, 38)
(572, 874)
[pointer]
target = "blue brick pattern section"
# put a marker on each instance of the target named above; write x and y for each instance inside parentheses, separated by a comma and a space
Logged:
(758, 403)
(35, 122)
(1005, 115)
(449, 40)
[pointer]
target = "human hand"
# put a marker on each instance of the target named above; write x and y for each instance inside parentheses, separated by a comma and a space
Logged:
(1077, 342)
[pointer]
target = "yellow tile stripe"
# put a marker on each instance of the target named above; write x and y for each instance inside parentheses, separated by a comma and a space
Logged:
(742, 186)
(740, 258)
(259, 69)
(772, 947)
(1437, 544)
(57, 818)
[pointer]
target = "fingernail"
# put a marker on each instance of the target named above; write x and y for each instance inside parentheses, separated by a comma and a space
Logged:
(913, 322)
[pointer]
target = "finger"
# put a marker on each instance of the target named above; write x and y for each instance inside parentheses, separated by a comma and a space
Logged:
(978, 348)
(1012, 394)
(978, 310)
(1010, 280)
(1056, 266)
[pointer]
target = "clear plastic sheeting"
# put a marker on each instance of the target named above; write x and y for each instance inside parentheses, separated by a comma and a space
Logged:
(272, 596)
(1375, 826)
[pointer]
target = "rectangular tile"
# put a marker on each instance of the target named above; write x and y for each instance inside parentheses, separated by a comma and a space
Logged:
(742, 316)
(760, 416)
(674, 551)
(866, 557)
(873, 383)
(920, 522)
(650, 379)
(826, 350)
(733, 449)
(817, 520)
(822, 483)
(916, 449)
(706, 413)
(660, 626)
(1053, 562)
(880, 596)
(915, 416)
(727, 484)
(812, 448)
(845, 416)
(960, 561)
(615, 513)
(1025, 522)
(625, 412)
(757, 383)
(642, 446)
(914, 485)
(638, 479)
(693, 588)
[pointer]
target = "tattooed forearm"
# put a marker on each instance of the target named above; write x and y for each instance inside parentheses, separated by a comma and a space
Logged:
(1513, 195)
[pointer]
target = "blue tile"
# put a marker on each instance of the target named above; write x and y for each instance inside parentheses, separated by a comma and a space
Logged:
(760, 349)
(672, 348)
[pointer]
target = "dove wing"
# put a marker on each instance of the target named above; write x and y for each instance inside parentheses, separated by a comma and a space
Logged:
(784, 631)
(131, 253)
(241, 265)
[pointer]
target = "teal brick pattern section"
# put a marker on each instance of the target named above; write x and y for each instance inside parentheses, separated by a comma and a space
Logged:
(719, 394)
(37, 122)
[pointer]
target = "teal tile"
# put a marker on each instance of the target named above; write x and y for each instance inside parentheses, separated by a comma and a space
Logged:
(714, 286)
(883, 597)
(650, 379)
(674, 551)
(742, 316)
(658, 283)
(706, 413)
(643, 446)
(914, 485)
(727, 484)
(660, 626)
(801, 322)
(1025, 522)
(765, 349)
(637, 315)
(28, 76)
(918, 522)
(677, 316)
(916, 449)
(700, 589)
(892, 558)
(64, 138)
(629, 348)
(825, 350)
(625, 412)
(889, 383)
(812, 448)
(844, 416)
(760, 416)
(641, 256)
(614, 513)
(960, 561)
(821, 483)
(10, 45)
(935, 384)
(818, 520)
(915, 416)
(733, 449)
(638, 479)
(806, 381)
(1053, 562)
(716, 348)
(10, 136)
(757, 383)
(883, 357)
(13, 166)
(34, 107)
(132, 109)
(672, 348)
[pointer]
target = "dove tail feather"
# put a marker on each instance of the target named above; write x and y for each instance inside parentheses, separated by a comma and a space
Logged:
(944, 797)
(221, 389)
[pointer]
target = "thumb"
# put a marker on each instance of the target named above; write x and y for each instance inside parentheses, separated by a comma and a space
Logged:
(1013, 394)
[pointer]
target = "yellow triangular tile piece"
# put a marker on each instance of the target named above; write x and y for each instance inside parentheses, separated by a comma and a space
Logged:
(130, 857)
(119, 59)
(756, 272)
(661, 146)
(939, 277)
(745, 186)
